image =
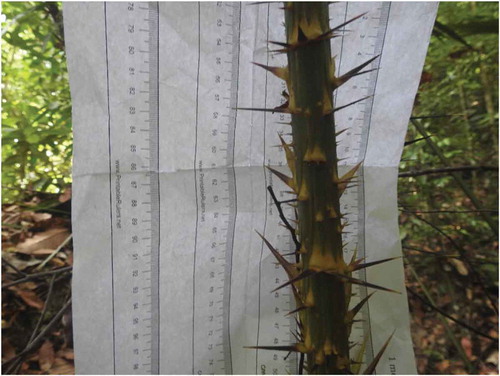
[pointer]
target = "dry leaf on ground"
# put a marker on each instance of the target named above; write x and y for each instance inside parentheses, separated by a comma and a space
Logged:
(20, 264)
(50, 239)
(66, 195)
(66, 353)
(467, 346)
(8, 351)
(62, 367)
(29, 297)
(42, 252)
(460, 266)
(46, 356)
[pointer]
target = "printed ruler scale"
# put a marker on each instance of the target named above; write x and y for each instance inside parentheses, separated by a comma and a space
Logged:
(369, 36)
(216, 185)
(218, 69)
(136, 183)
(132, 85)
(188, 284)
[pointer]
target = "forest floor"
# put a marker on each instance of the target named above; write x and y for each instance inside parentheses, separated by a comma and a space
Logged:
(468, 345)
(37, 258)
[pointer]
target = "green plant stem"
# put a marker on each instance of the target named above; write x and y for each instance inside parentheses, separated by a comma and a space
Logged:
(326, 335)
(320, 279)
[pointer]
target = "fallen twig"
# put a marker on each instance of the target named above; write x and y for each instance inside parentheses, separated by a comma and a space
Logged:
(13, 267)
(44, 311)
(440, 311)
(56, 251)
(30, 277)
(446, 170)
(31, 345)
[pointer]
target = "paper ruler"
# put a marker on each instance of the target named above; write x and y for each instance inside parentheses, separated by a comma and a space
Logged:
(170, 182)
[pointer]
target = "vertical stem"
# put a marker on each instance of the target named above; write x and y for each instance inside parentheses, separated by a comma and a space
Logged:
(310, 69)
(488, 100)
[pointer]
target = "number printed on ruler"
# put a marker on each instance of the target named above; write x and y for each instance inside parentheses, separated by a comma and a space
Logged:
(131, 69)
(216, 191)
(132, 61)
(368, 37)
(275, 327)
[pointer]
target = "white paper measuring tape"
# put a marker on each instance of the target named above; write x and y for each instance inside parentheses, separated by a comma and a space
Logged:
(169, 181)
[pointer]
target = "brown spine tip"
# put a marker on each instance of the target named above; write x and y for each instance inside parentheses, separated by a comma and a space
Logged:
(280, 72)
(290, 156)
(285, 179)
(353, 72)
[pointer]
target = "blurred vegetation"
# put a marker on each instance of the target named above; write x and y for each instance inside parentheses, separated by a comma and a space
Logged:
(448, 222)
(450, 235)
(36, 105)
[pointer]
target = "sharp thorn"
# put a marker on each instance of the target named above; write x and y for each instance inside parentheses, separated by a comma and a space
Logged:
(289, 269)
(331, 31)
(301, 276)
(301, 308)
(279, 72)
(275, 348)
(358, 306)
(285, 179)
(281, 44)
(340, 132)
(368, 264)
(260, 2)
(273, 110)
(361, 282)
(352, 103)
(371, 367)
(355, 72)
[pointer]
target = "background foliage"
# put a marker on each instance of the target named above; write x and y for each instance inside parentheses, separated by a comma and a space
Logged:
(36, 116)
(451, 252)
(449, 239)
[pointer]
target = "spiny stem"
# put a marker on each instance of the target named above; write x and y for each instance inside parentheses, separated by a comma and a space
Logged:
(310, 85)
(320, 279)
